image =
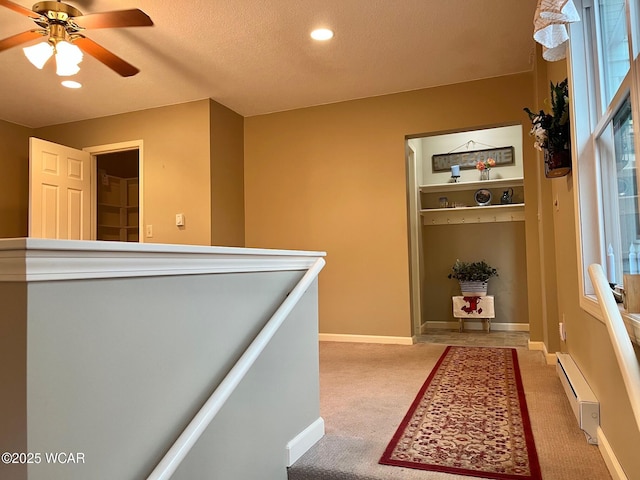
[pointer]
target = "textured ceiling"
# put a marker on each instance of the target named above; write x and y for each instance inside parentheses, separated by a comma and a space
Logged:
(256, 57)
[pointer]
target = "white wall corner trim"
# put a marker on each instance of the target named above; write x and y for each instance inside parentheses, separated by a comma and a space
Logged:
(306, 439)
(551, 358)
(36, 259)
(615, 469)
(338, 337)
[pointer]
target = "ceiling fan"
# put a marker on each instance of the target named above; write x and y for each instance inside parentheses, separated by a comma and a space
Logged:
(63, 25)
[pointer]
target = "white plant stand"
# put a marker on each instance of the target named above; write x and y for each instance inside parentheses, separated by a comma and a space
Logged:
(474, 308)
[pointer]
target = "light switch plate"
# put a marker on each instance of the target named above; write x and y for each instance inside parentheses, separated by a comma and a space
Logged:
(179, 219)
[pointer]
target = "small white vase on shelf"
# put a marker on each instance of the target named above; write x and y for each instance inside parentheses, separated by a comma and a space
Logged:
(485, 174)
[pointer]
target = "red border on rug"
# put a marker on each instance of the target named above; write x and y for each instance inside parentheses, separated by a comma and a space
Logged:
(534, 465)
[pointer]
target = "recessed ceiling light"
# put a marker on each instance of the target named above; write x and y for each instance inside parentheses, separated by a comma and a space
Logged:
(71, 84)
(322, 34)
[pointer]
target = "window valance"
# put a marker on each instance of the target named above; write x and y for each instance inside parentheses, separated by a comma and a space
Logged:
(550, 27)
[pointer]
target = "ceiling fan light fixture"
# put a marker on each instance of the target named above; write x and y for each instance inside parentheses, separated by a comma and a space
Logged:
(63, 23)
(70, 84)
(68, 56)
(39, 54)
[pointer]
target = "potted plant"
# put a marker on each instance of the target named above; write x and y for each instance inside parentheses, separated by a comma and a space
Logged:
(473, 277)
(552, 133)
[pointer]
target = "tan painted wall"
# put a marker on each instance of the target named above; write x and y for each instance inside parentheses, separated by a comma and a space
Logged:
(176, 163)
(14, 181)
(532, 173)
(546, 209)
(588, 341)
(227, 176)
(587, 338)
(333, 178)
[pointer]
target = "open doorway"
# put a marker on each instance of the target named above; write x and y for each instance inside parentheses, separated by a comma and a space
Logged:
(448, 222)
(117, 184)
(118, 193)
(72, 198)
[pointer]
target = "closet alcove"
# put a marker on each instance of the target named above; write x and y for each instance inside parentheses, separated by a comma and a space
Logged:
(118, 193)
(447, 223)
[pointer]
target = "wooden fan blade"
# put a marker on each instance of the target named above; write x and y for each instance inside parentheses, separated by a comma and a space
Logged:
(18, 9)
(115, 19)
(103, 55)
(18, 39)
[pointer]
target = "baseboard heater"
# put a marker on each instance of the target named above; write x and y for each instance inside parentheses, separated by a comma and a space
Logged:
(583, 402)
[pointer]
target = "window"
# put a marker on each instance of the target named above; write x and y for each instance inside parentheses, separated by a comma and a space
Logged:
(605, 72)
(620, 191)
(613, 45)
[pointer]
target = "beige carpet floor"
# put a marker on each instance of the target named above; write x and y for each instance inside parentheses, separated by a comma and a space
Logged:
(366, 389)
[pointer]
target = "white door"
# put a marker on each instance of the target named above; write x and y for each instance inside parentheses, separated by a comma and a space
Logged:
(59, 191)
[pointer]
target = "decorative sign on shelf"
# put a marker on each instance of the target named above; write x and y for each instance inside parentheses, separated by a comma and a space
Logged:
(442, 162)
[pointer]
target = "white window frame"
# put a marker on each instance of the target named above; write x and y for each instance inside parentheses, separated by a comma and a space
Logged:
(587, 126)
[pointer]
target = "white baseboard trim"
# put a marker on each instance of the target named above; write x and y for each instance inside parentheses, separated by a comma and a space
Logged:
(304, 441)
(475, 324)
(338, 337)
(614, 467)
(550, 358)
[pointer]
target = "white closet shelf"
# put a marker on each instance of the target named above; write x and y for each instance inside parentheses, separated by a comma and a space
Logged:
(452, 187)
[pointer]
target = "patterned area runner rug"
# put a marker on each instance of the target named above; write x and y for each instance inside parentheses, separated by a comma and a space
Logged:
(469, 418)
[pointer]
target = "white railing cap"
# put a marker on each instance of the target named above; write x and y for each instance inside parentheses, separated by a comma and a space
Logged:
(36, 259)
